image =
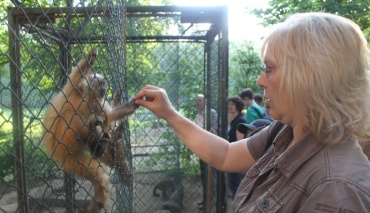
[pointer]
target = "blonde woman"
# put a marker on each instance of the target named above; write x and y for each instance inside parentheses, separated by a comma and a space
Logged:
(316, 83)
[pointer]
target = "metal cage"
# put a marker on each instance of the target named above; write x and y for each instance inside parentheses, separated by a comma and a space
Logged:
(182, 49)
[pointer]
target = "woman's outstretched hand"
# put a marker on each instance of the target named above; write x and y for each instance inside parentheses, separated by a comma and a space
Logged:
(156, 100)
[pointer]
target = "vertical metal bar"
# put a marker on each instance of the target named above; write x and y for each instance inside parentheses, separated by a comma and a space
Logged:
(224, 69)
(223, 48)
(117, 47)
(69, 181)
(222, 120)
(208, 82)
(17, 112)
(223, 57)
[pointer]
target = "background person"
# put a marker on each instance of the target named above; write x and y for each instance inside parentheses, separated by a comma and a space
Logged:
(268, 114)
(244, 130)
(258, 99)
(254, 111)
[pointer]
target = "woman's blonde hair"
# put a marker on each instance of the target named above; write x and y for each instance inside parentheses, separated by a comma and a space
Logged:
(325, 71)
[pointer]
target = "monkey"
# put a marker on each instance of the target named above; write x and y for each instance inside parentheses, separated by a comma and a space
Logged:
(166, 186)
(172, 192)
(76, 113)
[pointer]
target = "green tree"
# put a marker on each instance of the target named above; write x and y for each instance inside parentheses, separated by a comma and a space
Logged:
(39, 52)
(356, 10)
(245, 68)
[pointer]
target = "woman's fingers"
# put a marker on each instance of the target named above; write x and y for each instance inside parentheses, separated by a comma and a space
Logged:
(154, 99)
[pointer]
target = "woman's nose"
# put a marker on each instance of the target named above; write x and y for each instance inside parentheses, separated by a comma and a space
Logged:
(261, 82)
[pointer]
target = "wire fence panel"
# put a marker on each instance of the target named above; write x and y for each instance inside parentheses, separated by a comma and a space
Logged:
(184, 69)
(186, 63)
(45, 43)
(66, 67)
(157, 152)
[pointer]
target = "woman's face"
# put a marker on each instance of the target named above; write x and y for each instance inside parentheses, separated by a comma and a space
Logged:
(232, 107)
(275, 99)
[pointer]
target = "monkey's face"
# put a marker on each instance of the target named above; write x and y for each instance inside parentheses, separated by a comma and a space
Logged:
(98, 85)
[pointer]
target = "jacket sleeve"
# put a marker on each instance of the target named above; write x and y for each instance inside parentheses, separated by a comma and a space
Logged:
(256, 143)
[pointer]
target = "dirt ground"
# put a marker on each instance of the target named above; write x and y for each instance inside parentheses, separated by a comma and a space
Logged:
(8, 202)
(143, 200)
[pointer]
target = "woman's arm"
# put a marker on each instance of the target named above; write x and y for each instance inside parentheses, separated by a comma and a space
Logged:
(214, 150)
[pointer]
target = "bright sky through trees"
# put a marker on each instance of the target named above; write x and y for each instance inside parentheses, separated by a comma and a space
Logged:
(242, 26)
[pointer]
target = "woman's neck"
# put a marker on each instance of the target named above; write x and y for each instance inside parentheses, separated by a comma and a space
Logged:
(234, 114)
(299, 131)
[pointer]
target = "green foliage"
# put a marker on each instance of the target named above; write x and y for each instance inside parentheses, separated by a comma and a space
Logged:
(174, 155)
(42, 58)
(6, 157)
(3, 33)
(183, 81)
(245, 69)
(356, 10)
(179, 69)
(245, 63)
(36, 160)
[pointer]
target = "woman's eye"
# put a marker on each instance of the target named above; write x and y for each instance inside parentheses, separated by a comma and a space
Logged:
(268, 69)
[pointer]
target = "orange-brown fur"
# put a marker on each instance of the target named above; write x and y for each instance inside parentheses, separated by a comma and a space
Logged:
(68, 128)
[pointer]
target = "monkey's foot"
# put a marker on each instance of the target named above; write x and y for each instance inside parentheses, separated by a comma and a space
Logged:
(102, 189)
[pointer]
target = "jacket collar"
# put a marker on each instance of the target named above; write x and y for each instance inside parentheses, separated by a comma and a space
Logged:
(289, 160)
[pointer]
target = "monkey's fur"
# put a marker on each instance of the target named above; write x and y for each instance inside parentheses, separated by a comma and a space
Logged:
(73, 118)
